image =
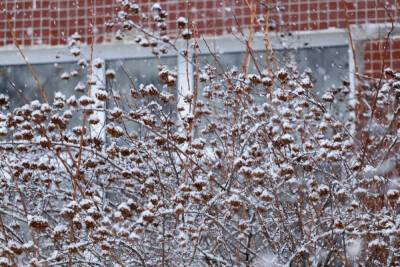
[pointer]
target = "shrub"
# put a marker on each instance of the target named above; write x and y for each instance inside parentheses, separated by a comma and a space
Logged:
(259, 171)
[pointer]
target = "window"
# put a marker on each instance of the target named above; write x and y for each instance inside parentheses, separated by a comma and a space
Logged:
(325, 53)
(17, 81)
(329, 66)
(136, 73)
(69, 78)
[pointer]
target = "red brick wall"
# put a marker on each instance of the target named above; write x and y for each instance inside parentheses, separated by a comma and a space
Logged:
(50, 22)
(380, 54)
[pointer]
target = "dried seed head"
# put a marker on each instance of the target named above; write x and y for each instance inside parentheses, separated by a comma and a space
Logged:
(39, 223)
(267, 196)
(181, 22)
(187, 34)
(393, 194)
(282, 75)
(114, 130)
(65, 76)
(86, 100)
(110, 74)
(148, 216)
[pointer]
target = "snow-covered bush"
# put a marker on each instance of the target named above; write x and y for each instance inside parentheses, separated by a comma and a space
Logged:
(259, 172)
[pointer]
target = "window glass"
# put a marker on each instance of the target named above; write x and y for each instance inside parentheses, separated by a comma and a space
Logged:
(329, 66)
(136, 74)
(17, 81)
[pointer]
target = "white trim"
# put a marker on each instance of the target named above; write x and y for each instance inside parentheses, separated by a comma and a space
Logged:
(61, 54)
(98, 75)
(352, 79)
(222, 44)
(374, 31)
(185, 84)
(301, 39)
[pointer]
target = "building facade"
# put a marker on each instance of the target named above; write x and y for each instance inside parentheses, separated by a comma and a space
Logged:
(41, 23)
(318, 30)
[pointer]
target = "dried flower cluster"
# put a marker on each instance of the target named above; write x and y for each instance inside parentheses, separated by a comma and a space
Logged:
(259, 166)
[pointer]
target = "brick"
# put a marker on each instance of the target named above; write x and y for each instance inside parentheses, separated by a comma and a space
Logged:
(322, 25)
(49, 15)
(377, 56)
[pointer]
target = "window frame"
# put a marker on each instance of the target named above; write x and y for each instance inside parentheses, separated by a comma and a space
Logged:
(236, 44)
